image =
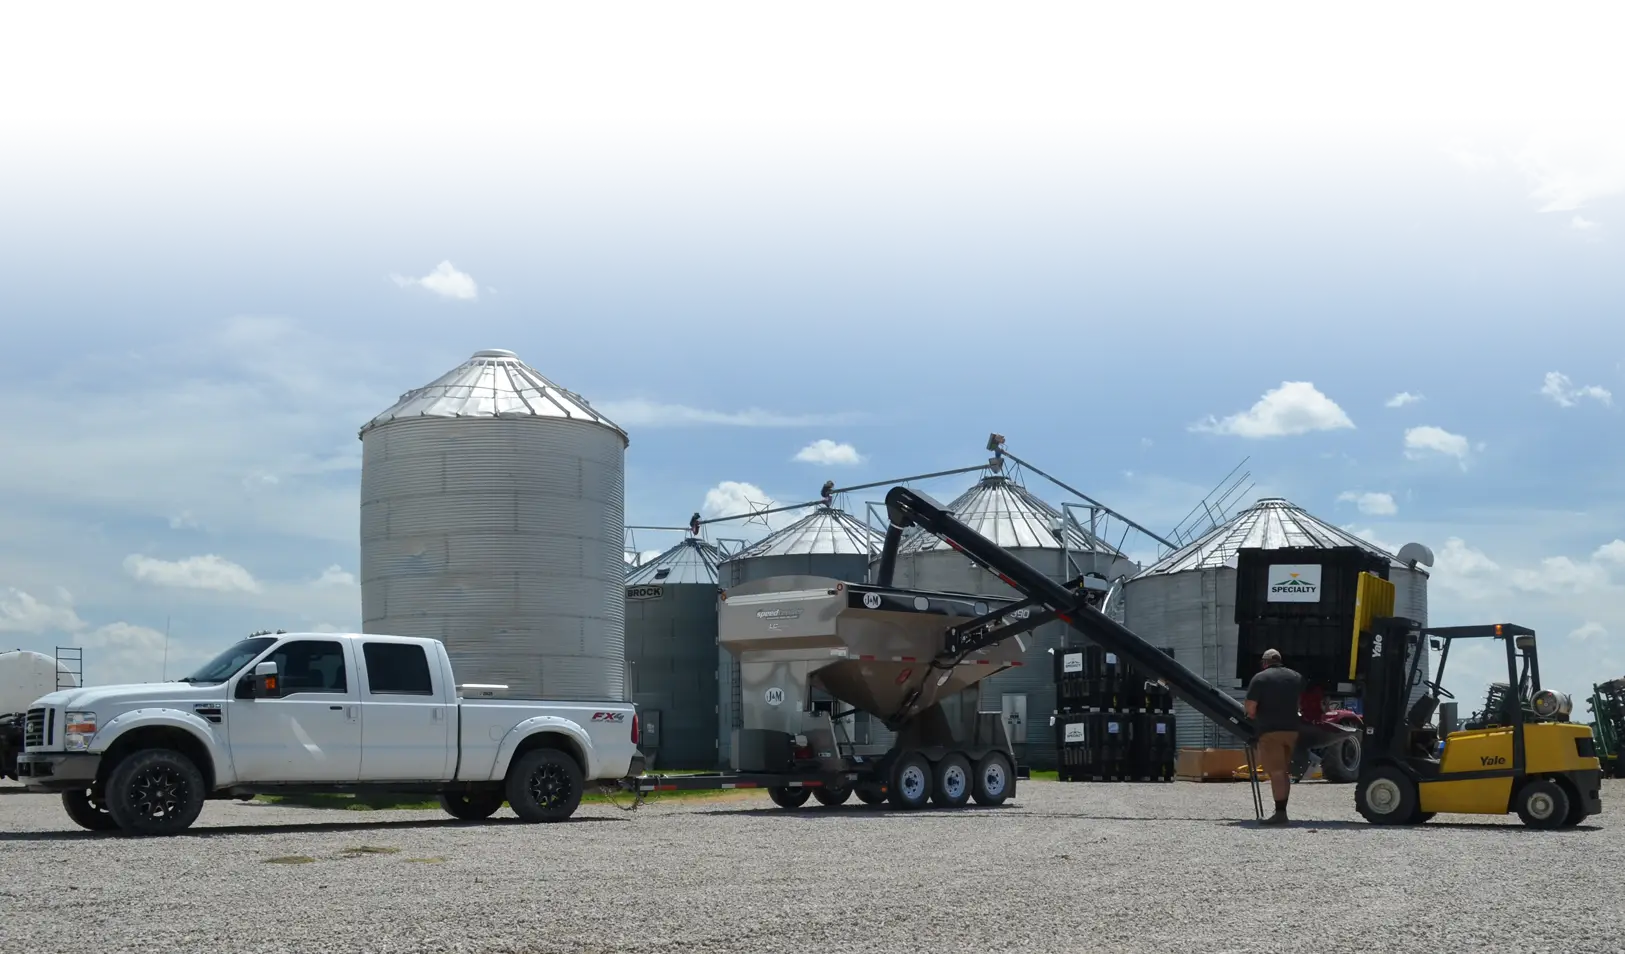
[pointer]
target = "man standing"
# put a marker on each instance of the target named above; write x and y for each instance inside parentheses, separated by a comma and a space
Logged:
(1272, 705)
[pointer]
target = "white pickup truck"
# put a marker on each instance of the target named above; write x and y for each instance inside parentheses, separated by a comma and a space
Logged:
(318, 712)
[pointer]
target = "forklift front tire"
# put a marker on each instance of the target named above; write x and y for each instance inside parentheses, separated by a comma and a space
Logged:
(1386, 796)
(1542, 803)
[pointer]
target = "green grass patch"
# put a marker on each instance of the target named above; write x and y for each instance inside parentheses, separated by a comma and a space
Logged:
(343, 801)
(358, 850)
(290, 860)
(1046, 776)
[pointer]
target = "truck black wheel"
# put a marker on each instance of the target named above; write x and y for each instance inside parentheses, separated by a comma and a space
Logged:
(833, 796)
(993, 779)
(1542, 803)
(544, 785)
(471, 806)
(786, 797)
(154, 792)
(951, 788)
(1386, 796)
(910, 781)
(870, 794)
(87, 812)
(1340, 762)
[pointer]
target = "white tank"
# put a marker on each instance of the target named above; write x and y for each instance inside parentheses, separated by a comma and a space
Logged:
(25, 676)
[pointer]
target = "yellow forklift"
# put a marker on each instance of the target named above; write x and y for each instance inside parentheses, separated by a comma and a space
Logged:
(1520, 754)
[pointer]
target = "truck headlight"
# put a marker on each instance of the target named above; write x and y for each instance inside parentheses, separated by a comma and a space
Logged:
(1551, 704)
(77, 733)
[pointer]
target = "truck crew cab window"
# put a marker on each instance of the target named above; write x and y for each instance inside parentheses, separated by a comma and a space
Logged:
(310, 665)
(397, 669)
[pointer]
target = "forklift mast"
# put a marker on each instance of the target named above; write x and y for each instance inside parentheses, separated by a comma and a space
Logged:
(907, 508)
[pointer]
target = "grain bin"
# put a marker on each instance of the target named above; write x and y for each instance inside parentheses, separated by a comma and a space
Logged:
(1187, 600)
(671, 653)
(1014, 518)
(828, 542)
(492, 518)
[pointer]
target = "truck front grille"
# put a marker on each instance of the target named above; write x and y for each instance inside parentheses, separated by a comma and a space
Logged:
(36, 727)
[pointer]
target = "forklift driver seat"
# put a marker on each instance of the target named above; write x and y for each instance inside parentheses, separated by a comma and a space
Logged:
(1422, 711)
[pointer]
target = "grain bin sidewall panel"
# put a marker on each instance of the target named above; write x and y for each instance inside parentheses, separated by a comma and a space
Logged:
(1178, 610)
(551, 523)
(671, 646)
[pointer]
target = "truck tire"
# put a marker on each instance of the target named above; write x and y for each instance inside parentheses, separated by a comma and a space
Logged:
(87, 812)
(1542, 803)
(154, 792)
(544, 785)
(951, 788)
(786, 797)
(991, 784)
(1386, 796)
(1340, 763)
(911, 781)
(471, 806)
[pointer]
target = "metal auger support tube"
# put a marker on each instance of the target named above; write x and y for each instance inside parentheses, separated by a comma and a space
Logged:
(911, 508)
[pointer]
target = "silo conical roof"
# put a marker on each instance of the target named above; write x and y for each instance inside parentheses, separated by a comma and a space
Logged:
(492, 383)
(692, 560)
(1011, 516)
(1270, 523)
(825, 530)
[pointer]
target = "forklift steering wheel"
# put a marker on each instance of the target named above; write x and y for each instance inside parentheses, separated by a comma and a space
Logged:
(1443, 692)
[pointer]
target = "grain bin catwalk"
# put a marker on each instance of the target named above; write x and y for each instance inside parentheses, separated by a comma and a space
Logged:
(491, 515)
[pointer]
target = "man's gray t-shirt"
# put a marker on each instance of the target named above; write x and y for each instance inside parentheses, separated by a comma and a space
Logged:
(1276, 690)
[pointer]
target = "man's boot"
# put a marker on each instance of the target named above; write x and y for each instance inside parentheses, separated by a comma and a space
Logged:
(1279, 818)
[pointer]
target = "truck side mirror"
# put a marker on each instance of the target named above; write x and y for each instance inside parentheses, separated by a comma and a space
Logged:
(266, 685)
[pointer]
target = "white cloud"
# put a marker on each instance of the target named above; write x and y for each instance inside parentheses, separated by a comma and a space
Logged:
(1570, 160)
(1427, 439)
(735, 498)
(335, 575)
(445, 281)
(1561, 390)
(1613, 552)
(208, 572)
(640, 557)
(1590, 629)
(1296, 407)
(1403, 398)
(1460, 150)
(641, 413)
(1590, 229)
(22, 613)
(826, 451)
(1371, 502)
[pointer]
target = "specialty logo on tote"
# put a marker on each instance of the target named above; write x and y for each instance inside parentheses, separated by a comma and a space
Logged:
(1294, 583)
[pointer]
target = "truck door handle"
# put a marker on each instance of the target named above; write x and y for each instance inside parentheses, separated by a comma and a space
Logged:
(336, 708)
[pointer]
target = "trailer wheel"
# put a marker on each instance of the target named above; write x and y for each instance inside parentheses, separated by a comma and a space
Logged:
(1386, 797)
(154, 792)
(471, 806)
(787, 797)
(870, 794)
(991, 785)
(833, 796)
(544, 785)
(1340, 762)
(88, 812)
(1542, 803)
(911, 781)
(952, 785)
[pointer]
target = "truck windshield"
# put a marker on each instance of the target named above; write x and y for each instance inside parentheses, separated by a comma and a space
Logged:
(225, 665)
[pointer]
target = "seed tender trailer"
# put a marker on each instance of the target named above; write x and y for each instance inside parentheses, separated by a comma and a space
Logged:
(814, 651)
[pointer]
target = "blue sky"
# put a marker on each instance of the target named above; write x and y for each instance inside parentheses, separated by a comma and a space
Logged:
(742, 233)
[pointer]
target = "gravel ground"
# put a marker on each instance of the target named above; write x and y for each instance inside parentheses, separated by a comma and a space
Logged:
(1069, 867)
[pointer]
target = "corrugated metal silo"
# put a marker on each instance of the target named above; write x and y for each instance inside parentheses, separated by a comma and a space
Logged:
(1013, 517)
(827, 542)
(492, 518)
(671, 646)
(1187, 600)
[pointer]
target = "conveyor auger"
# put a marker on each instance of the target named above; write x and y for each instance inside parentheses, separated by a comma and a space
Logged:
(907, 508)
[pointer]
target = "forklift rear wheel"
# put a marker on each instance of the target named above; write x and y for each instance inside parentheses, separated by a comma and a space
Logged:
(1542, 803)
(953, 781)
(786, 797)
(911, 781)
(1386, 797)
(833, 796)
(993, 776)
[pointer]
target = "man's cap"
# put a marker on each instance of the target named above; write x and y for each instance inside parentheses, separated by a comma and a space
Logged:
(1272, 655)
